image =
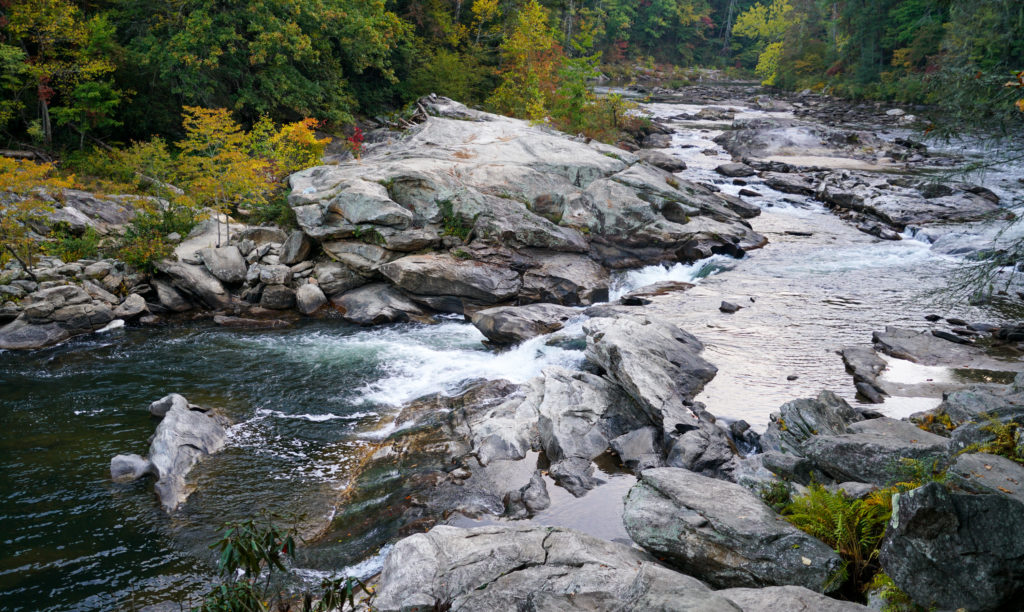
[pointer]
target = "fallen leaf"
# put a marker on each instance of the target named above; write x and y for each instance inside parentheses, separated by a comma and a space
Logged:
(805, 560)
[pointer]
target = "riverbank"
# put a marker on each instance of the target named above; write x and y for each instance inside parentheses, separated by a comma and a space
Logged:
(813, 295)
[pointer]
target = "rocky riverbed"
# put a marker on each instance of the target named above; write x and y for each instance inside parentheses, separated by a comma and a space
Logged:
(593, 426)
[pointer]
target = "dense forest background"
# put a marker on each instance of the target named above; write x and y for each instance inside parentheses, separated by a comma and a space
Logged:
(72, 73)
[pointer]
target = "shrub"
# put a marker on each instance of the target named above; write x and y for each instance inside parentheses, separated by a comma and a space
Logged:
(68, 246)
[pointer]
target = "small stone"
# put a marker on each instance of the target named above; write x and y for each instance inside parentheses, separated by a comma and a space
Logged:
(792, 377)
(932, 317)
(729, 307)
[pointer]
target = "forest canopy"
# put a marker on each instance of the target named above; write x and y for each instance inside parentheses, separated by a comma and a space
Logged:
(122, 70)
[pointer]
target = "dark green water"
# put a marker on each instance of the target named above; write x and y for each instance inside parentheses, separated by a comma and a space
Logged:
(303, 401)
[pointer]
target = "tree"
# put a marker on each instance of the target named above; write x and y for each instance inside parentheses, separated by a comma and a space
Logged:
(768, 25)
(216, 166)
(531, 58)
(24, 186)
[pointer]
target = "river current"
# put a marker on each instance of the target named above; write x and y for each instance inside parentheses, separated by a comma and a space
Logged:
(304, 400)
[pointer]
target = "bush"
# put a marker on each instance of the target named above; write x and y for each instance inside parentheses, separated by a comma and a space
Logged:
(65, 244)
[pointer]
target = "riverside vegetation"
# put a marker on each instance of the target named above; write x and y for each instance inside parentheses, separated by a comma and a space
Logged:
(436, 209)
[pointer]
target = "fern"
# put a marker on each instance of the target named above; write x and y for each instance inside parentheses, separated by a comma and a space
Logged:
(852, 527)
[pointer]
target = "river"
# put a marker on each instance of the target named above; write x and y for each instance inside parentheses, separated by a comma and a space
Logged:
(306, 399)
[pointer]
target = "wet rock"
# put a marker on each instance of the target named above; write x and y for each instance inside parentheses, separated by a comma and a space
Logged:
(565, 279)
(644, 295)
(575, 475)
(729, 307)
(437, 274)
(956, 550)
(705, 449)
(129, 468)
(735, 170)
(639, 449)
(225, 263)
(796, 184)
(528, 500)
(183, 438)
(869, 392)
(922, 347)
(797, 421)
(865, 365)
(511, 567)
(310, 298)
(277, 297)
(738, 206)
(985, 473)
(722, 533)
(792, 468)
(661, 160)
(162, 406)
(295, 249)
(21, 335)
(954, 338)
(376, 304)
(787, 599)
(513, 324)
(657, 364)
(872, 450)
(248, 323)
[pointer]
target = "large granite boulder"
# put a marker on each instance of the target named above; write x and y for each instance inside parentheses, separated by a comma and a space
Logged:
(513, 324)
(506, 567)
(437, 274)
(376, 304)
(722, 533)
(197, 282)
(226, 263)
(798, 421)
(953, 550)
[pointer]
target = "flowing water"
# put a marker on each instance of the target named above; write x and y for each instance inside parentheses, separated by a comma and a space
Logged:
(305, 400)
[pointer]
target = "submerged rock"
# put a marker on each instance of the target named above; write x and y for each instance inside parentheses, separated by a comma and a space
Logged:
(722, 533)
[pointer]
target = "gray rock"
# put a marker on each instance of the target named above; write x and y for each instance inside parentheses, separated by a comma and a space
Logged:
(787, 599)
(657, 364)
(162, 406)
(735, 170)
(226, 263)
(956, 550)
(722, 533)
(437, 274)
(275, 275)
(170, 298)
(797, 184)
(657, 141)
(639, 449)
(183, 438)
(873, 450)
(739, 206)
(277, 297)
(729, 307)
(511, 567)
(797, 421)
(246, 323)
(661, 160)
(197, 282)
(21, 335)
(261, 235)
(336, 278)
(376, 304)
(705, 449)
(565, 278)
(133, 306)
(513, 324)
(99, 293)
(295, 249)
(310, 298)
(529, 499)
(129, 468)
(98, 270)
(984, 473)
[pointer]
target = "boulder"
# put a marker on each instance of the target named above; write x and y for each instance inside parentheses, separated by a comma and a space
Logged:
(564, 278)
(513, 324)
(376, 304)
(722, 533)
(196, 281)
(797, 421)
(956, 550)
(529, 499)
(170, 298)
(162, 406)
(735, 170)
(295, 249)
(247, 323)
(639, 449)
(442, 274)
(796, 184)
(261, 235)
(226, 263)
(275, 274)
(336, 278)
(309, 298)
(277, 297)
(872, 451)
(133, 306)
(530, 567)
(662, 160)
(656, 363)
(864, 364)
(705, 449)
(22, 335)
(985, 473)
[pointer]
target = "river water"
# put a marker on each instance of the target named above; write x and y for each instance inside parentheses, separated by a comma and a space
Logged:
(305, 400)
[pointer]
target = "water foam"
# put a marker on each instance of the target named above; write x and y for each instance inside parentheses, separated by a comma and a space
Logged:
(625, 282)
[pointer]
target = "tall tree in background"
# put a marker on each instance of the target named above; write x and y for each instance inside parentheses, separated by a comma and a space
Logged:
(530, 60)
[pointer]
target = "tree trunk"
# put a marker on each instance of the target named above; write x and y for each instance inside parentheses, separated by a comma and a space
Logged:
(44, 113)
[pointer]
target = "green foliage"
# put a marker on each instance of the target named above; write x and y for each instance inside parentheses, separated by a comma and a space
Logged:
(68, 246)
(776, 494)
(852, 527)
(895, 599)
(452, 224)
(368, 234)
(1008, 440)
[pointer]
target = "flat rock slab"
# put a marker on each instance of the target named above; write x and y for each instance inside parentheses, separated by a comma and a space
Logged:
(531, 568)
(722, 533)
(926, 349)
(787, 599)
(872, 451)
(21, 335)
(376, 304)
(984, 473)
(441, 274)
